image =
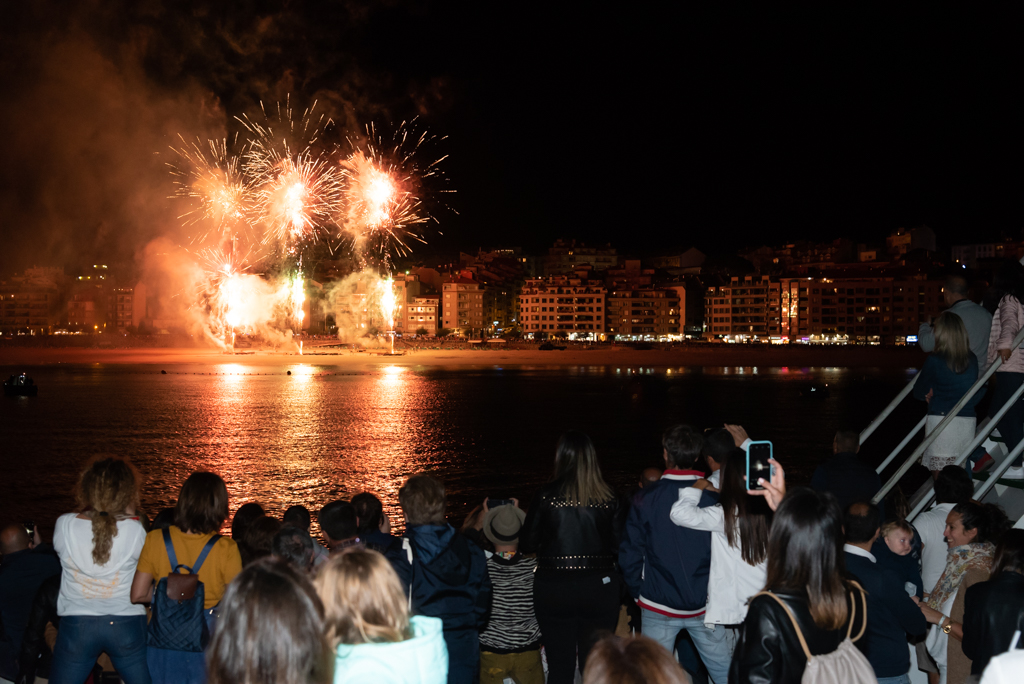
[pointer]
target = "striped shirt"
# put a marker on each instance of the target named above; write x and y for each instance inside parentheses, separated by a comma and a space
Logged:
(513, 625)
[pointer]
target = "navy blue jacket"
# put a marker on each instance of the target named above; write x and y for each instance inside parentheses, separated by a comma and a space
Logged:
(908, 568)
(449, 579)
(892, 615)
(666, 566)
(847, 477)
(948, 386)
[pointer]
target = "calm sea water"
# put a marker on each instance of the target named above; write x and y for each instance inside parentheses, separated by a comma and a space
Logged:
(321, 434)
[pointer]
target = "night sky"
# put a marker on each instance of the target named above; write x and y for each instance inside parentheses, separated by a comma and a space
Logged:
(652, 128)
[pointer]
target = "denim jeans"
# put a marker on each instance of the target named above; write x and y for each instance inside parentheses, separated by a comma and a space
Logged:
(714, 645)
(902, 679)
(81, 639)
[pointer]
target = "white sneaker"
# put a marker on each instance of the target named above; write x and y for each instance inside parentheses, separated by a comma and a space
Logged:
(1014, 473)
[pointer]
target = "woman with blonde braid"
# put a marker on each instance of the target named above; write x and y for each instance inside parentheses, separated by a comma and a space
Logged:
(99, 548)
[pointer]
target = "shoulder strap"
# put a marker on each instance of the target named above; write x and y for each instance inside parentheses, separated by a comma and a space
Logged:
(205, 552)
(853, 613)
(170, 550)
(792, 618)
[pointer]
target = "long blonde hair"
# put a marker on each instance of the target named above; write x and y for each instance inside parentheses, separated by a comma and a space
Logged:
(363, 599)
(108, 487)
(951, 341)
(577, 467)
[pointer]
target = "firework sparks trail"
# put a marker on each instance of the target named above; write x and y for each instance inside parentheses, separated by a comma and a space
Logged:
(283, 191)
(213, 182)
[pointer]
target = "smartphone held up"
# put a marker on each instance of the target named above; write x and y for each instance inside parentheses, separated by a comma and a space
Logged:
(758, 467)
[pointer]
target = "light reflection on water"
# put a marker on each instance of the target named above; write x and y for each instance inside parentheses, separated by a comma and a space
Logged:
(320, 434)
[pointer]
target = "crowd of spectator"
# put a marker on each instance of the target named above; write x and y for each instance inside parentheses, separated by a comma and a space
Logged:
(700, 575)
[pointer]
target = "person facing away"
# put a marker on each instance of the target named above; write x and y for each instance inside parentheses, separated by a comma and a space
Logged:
(259, 538)
(574, 525)
(201, 509)
(244, 516)
(993, 609)
(448, 574)
(339, 526)
(27, 563)
(806, 571)
(953, 486)
(298, 516)
(739, 525)
(99, 548)
(976, 319)
(632, 660)
(892, 614)
(846, 476)
(1006, 323)
(665, 566)
(510, 645)
(294, 545)
(947, 375)
(270, 630)
(369, 628)
(375, 527)
(718, 444)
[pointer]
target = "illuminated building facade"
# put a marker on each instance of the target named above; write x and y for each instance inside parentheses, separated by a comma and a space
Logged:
(421, 314)
(644, 314)
(462, 305)
(569, 305)
(747, 309)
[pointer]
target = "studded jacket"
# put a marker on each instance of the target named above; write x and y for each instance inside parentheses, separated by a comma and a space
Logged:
(568, 537)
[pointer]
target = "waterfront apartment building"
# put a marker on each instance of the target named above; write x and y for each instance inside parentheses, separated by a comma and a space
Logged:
(647, 314)
(864, 310)
(421, 314)
(747, 309)
(566, 257)
(462, 305)
(570, 305)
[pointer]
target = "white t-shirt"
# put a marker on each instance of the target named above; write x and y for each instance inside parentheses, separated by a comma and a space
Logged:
(930, 525)
(90, 589)
(1004, 669)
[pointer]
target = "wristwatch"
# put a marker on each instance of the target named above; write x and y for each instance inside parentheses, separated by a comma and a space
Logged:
(948, 627)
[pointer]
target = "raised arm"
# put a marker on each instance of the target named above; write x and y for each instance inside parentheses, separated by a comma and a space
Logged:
(686, 513)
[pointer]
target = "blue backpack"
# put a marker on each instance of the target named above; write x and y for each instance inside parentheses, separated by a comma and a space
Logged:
(179, 621)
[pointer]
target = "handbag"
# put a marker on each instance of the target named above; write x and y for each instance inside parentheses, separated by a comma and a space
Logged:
(179, 621)
(846, 664)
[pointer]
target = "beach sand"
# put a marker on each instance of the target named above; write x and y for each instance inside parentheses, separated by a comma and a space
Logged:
(798, 356)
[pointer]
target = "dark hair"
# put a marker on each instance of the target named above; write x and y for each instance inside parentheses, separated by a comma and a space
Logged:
(243, 518)
(577, 469)
(805, 554)
(202, 504)
(1009, 555)
(989, 519)
(338, 520)
(163, 519)
(294, 545)
(747, 518)
(682, 444)
(718, 444)
(847, 441)
(956, 284)
(270, 630)
(369, 511)
(861, 521)
(953, 485)
(1009, 280)
(259, 538)
(297, 516)
(422, 500)
(631, 660)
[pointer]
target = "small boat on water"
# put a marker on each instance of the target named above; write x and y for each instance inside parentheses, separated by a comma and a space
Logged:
(815, 391)
(20, 386)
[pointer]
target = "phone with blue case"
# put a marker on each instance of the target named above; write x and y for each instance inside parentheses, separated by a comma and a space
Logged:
(758, 466)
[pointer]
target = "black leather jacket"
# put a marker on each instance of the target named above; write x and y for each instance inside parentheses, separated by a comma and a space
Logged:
(44, 610)
(992, 610)
(572, 537)
(768, 650)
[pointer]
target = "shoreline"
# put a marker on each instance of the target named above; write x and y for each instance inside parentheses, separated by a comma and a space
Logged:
(731, 355)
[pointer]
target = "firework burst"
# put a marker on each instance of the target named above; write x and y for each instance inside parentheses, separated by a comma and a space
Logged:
(214, 185)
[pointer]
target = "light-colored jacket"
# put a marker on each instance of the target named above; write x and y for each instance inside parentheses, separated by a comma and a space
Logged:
(423, 659)
(1006, 323)
(731, 580)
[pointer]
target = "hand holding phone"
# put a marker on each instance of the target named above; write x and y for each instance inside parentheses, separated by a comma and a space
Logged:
(758, 467)
(494, 503)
